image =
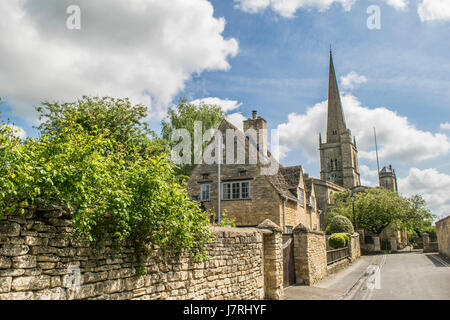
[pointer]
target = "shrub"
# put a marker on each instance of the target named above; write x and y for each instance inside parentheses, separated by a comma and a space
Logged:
(338, 240)
(340, 224)
(111, 194)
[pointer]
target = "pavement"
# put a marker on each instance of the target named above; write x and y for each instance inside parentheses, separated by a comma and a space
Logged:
(334, 287)
(406, 275)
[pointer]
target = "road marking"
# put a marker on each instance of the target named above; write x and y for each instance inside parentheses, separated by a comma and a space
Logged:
(374, 279)
(350, 293)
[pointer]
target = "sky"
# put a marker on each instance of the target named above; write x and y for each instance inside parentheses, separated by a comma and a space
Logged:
(390, 56)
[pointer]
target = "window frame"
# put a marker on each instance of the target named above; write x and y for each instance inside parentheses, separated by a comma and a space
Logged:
(230, 191)
(201, 191)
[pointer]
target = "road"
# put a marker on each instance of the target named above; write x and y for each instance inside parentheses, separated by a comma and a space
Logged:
(405, 276)
(412, 275)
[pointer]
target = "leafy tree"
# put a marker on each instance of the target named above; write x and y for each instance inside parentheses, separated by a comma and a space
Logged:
(340, 224)
(184, 117)
(124, 122)
(376, 208)
(111, 194)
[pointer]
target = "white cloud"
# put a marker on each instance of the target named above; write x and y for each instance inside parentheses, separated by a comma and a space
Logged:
(287, 8)
(430, 10)
(252, 6)
(398, 139)
(236, 119)
(225, 104)
(144, 50)
(445, 126)
(18, 131)
(397, 4)
(432, 185)
(366, 171)
(349, 81)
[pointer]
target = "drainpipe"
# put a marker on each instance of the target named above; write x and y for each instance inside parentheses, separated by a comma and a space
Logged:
(219, 161)
(284, 213)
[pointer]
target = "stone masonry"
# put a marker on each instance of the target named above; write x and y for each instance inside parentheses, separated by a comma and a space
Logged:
(39, 260)
(443, 235)
(310, 255)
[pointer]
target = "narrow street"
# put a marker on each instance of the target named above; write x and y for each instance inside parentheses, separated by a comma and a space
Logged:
(412, 275)
(409, 275)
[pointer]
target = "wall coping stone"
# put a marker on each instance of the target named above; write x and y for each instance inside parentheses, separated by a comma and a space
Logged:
(304, 229)
(268, 224)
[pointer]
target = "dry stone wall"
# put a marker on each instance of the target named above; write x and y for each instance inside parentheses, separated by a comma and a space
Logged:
(40, 260)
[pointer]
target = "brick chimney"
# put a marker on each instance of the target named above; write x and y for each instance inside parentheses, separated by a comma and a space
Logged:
(258, 124)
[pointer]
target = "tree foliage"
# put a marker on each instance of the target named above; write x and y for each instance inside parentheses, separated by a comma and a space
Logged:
(110, 193)
(376, 208)
(184, 117)
(118, 118)
(340, 224)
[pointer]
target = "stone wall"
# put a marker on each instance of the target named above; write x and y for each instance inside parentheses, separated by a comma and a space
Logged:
(443, 235)
(40, 260)
(310, 254)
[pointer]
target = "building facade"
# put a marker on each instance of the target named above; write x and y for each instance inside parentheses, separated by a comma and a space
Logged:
(244, 192)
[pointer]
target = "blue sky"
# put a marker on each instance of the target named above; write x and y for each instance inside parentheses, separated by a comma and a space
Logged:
(262, 54)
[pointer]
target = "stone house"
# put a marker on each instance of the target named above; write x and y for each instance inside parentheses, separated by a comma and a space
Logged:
(247, 194)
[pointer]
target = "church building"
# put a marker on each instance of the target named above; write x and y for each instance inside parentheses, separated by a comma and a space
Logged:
(338, 155)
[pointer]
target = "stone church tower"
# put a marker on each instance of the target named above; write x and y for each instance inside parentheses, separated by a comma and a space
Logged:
(338, 155)
(388, 179)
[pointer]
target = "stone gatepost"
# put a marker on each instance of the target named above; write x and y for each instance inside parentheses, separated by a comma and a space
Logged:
(394, 245)
(310, 255)
(273, 260)
(354, 246)
(376, 244)
(426, 241)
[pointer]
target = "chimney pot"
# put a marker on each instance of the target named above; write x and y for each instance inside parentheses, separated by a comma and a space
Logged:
(254, 114)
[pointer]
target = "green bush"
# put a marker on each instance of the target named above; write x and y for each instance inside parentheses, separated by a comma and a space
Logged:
(111, 194)
(338, 240)
(339, 224)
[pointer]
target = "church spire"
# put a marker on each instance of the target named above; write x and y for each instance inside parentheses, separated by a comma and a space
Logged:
(335, 121)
